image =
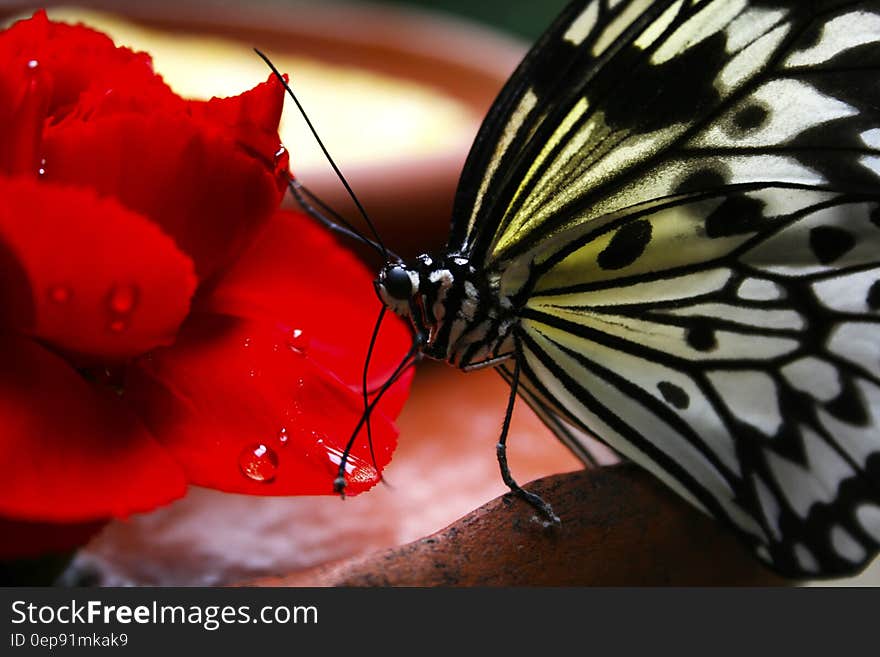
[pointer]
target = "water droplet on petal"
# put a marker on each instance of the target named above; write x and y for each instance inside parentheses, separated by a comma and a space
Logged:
(252, 373)
(117, 325)
(298, 341)
(42, 170)
(282, 160)
(282, 435)
(123, 299)
(60, 293)
(247, 342)
(32, 64)
(258, 462)
(356, 469)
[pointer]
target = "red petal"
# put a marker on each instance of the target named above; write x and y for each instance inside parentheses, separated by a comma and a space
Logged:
(31, 539)
(199, 186)
(25, 95)
(74, 57)
(101, 280)
(67, 453)
(296, 274)
(208, 173)
(251, 119)
(228, 387)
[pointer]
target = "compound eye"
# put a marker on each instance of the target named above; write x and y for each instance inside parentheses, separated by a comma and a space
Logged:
(397, 283)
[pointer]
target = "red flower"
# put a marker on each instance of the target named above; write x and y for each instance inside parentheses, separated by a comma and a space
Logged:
(162, 322)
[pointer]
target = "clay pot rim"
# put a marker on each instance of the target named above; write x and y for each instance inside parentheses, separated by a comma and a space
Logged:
(377, 35)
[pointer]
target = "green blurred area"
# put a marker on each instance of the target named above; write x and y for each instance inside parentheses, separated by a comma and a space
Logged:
(524, 18)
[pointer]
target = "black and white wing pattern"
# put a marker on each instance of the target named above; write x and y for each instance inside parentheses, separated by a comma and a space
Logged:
(682, 201)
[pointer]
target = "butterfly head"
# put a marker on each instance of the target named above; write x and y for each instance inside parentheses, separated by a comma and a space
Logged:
(398, 286)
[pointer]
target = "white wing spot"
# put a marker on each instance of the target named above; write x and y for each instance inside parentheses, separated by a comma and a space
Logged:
(795, 107)
(871, 138)
(805, 558)
(845, 545)
(749, 26)
(750, 59)
(581, 27)
(751, 396)
(868, 516)
(658, 27)
(771, 319)
(816, 377)
(857, 342)
(817, 481)
(760, 289)
(699, 27)
(871, 162)
(617, 26)
(839, 34)
(860, 443)
(847, 294)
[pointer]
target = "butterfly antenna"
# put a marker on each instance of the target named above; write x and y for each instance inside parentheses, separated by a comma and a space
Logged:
(316, 208)
(373, 340)
(336, 169)
(339, 482)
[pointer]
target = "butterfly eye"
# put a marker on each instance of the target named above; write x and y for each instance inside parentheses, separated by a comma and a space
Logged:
(397, 282)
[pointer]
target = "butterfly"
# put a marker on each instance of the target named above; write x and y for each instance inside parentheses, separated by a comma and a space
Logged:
(667, 235)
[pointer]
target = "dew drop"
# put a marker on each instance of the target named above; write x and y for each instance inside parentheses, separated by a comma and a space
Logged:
(123, 299)
(282, 160)
(247, 342)
(42, 170)
(356, 469)
(258, 462)
(252, 373)
(32, 64)
(298, 341)
(282, 435)
(60, 293)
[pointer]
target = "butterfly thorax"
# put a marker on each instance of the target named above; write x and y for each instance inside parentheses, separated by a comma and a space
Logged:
(457, 312)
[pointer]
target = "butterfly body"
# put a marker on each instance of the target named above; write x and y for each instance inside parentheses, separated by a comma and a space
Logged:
(461, 315)
(667, 236)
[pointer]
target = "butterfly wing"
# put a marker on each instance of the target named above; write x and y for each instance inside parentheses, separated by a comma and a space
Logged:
(684, 200)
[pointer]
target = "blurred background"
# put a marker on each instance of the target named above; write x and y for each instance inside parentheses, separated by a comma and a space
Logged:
(523, 18)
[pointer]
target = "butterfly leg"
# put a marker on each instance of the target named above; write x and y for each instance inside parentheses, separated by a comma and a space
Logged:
(501, 452)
